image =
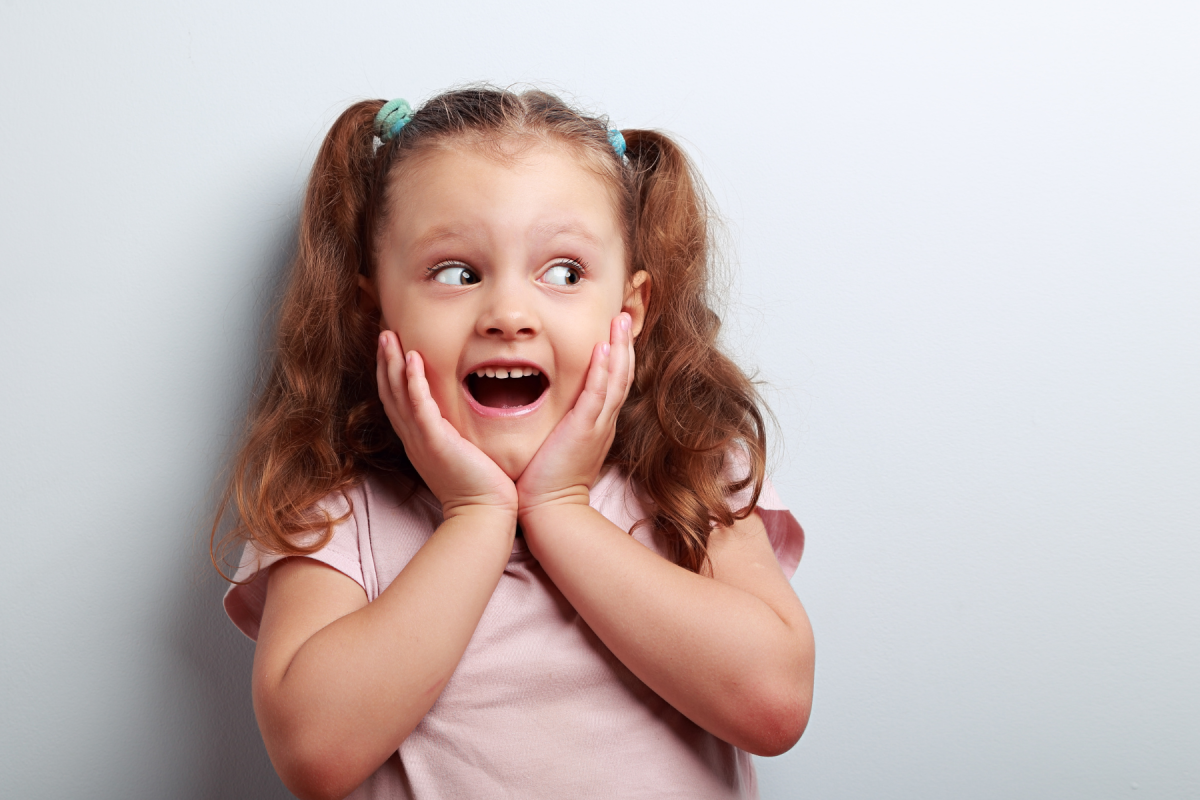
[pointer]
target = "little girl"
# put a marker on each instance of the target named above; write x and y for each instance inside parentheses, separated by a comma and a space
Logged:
(507, 532)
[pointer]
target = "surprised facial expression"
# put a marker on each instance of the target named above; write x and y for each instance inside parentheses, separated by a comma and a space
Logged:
(503, 274)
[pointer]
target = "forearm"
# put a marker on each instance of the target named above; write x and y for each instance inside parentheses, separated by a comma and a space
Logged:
(718, 654)
(353, 690)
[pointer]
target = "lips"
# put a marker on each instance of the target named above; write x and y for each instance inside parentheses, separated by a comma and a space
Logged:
(506, 386)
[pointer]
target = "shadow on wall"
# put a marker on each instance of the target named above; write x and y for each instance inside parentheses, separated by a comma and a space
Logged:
(230, 760)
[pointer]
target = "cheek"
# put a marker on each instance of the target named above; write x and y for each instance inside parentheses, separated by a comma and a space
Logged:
(580, 342)
(438, 349)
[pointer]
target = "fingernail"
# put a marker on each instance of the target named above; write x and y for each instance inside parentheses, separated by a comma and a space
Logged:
(626, 321)
(383, 339)
(604, 349)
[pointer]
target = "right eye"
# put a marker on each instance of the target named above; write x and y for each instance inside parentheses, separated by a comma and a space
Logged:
(456, 275)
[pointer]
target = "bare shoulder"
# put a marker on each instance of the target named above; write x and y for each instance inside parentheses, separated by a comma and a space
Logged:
(741, 556)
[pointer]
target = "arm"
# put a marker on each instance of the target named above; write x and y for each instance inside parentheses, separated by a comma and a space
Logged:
(732, 652)
(340, 683)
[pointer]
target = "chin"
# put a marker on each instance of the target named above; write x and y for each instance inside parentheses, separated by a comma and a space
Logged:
(512, 462)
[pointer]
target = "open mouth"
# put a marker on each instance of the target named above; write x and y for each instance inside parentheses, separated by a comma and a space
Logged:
(506, 387)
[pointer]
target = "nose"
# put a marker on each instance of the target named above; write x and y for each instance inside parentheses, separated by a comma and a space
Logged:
(508, 312)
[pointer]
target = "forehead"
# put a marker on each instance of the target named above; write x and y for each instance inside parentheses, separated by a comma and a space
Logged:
(537, 189)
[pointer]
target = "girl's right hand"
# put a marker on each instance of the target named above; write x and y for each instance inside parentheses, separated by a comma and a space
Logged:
(458, 473)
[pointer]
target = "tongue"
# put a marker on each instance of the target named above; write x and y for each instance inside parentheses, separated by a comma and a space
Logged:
(506, 392)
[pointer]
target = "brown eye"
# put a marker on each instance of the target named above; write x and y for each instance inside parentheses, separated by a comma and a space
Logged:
(456, 275)
(562, 275)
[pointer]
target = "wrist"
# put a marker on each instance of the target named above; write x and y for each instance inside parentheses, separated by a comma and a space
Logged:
(551, 515)
(502, 517)
(529, 503)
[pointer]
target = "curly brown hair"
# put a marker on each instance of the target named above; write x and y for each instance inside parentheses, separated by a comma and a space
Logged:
(318, 426)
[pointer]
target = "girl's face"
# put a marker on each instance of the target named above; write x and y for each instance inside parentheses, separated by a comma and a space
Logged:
(516, 267)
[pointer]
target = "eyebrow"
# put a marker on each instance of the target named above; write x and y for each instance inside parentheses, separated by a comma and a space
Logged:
(436, 236)
(549, 230)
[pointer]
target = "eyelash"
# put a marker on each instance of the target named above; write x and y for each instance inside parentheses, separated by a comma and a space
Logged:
(441, 265)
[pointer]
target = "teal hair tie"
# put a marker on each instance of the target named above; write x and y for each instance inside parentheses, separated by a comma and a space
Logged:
(617, 140)
(392, 118)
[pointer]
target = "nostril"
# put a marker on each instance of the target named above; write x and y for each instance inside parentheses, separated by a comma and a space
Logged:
(504, 332)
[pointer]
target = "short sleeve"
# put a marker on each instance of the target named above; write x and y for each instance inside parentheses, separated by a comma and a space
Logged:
(245, 599)
(783, 531)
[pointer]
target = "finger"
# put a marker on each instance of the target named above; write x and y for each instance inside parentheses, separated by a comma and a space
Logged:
(590, 404)
(396, 369)
(424, 407)
(401, 411)
(632, 359)
(382, 380)
(620, 365)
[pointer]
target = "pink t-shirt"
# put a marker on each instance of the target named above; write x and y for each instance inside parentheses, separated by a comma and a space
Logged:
(538, 707)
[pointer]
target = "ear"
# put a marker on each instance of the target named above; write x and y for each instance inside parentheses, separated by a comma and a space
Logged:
(368, 295)
(637, 299)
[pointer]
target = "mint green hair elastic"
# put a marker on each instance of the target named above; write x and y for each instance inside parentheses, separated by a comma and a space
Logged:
(617, 140)
(392, 118)
(395, 114)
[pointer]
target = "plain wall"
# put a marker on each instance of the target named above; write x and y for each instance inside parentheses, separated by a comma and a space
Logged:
(966, 237)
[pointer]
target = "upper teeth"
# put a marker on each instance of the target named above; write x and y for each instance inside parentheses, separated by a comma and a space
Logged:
(506, 372)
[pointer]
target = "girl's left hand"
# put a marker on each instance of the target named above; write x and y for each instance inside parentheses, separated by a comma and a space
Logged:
(568, 462)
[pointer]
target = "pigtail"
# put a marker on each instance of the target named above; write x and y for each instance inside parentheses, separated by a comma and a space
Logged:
(317, 419)
(691, 434)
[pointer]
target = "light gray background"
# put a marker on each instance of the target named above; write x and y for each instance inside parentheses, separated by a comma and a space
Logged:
(968, 237)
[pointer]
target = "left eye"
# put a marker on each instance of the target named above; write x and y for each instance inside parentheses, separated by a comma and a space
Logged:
(456, 275)
(562, 275)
